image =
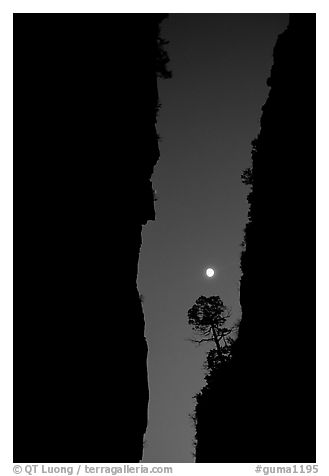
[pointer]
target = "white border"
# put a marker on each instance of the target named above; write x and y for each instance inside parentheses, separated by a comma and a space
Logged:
(6, 190)
(168, 6)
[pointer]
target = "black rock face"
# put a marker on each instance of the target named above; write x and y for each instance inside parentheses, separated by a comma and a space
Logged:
(261, 408)
(85, 147)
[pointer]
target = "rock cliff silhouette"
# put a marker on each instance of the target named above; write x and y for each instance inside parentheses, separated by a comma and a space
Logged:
(85, 109)
(261, 406)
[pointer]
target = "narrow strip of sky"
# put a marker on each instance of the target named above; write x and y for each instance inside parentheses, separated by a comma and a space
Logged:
(210, 114)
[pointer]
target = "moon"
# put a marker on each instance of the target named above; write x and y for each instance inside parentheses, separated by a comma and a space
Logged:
(210, 272)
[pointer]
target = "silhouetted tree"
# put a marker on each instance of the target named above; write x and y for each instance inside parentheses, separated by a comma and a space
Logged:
(207, 318)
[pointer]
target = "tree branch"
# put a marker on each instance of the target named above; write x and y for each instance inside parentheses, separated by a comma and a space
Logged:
(199, 341)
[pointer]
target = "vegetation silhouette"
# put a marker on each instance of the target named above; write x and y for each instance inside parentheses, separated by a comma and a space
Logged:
(207, 318)
(86, 102)
(264, 398)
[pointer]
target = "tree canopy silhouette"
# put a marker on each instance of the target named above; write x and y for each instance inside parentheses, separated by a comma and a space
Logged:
(208, 317)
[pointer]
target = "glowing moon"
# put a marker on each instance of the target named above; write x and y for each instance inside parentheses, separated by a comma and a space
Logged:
(210, 272)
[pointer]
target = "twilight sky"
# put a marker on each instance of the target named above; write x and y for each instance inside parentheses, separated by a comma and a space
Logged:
(210, 114)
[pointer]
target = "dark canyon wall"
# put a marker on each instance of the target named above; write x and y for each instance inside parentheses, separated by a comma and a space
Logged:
(261, 407)
(85, 146)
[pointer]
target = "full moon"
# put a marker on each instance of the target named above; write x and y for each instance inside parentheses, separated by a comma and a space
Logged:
(210, 272)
